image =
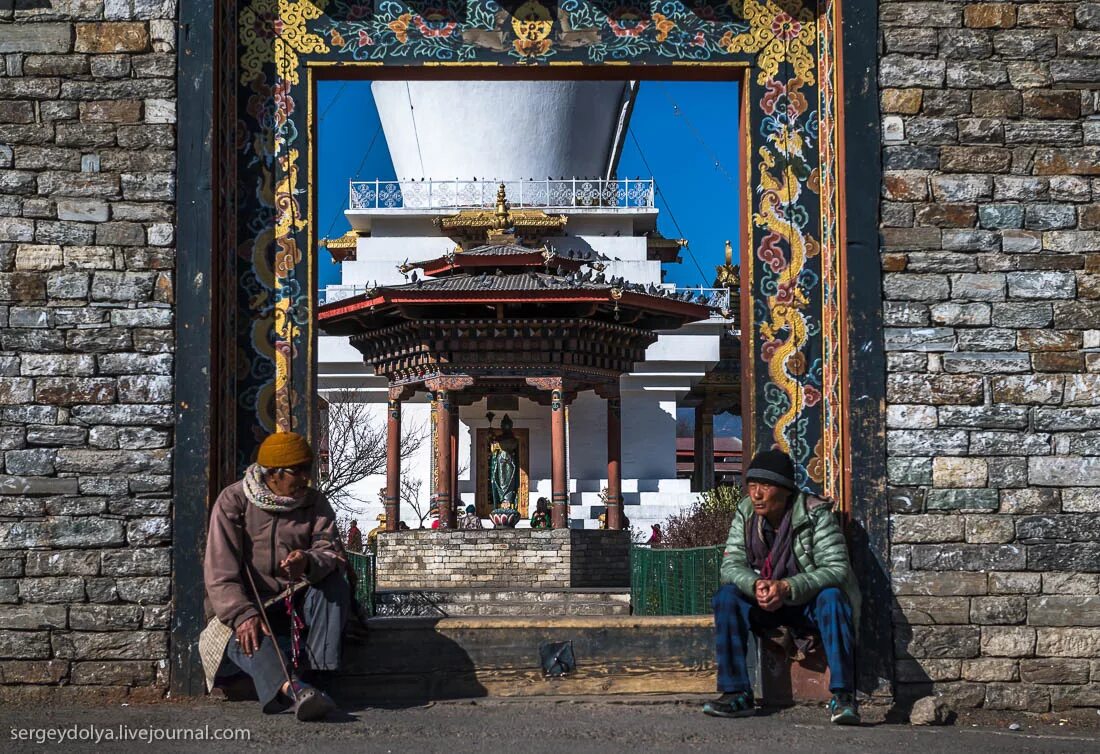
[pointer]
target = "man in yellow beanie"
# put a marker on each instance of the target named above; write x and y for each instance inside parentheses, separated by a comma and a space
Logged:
(268, 533)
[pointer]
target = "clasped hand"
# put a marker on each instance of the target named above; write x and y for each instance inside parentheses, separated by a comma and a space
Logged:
(770, 594)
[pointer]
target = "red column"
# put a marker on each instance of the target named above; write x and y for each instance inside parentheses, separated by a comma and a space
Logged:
(614, 464)
(443, 459)
(455, 497)
(393, 465)
(559, 502)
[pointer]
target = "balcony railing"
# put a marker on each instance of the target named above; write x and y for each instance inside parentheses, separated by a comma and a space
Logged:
(568, 193)
(333, 293)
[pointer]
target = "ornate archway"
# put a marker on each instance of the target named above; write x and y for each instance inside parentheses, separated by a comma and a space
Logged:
(247, 305)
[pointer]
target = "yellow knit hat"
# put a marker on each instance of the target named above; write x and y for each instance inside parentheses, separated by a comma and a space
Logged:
(284, 450)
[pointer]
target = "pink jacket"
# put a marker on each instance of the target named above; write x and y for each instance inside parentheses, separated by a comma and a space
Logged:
(239, 531)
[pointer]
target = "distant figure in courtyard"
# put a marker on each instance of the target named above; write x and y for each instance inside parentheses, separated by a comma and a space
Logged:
(785, 564)
(655, 535)
(402, 526)
(540, 519)
(271, 533)
(355, 537)
(470, 519)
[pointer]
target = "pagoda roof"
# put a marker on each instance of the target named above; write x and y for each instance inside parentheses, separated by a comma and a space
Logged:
(506, 256)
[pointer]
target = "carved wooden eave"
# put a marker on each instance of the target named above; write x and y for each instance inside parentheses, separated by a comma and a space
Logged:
(343, 248)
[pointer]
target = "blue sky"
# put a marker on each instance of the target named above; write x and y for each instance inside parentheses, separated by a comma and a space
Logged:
(686, 130)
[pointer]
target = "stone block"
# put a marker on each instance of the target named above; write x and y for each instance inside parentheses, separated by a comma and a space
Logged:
(1068, 642)
(1009, 443)
(990, 15)
(905, 186)
(1083, 160)
(989, 529)
(70, 391)
(986, 363)
(996, 416)
(1064, 610)
(910, 287)
(907, 470)
(959, 472)
(1064, 471)
(1080, 556)
(144, 561)
(1041, 285)
(1081, 501)
(966, 557)
(978, 287)
(926, 442)
(933, 610)
(962, 188)
(44, 672)
(33, 462)
(1017, 696)
(24, 645)
(122, 673)
(112, 37)
(935, 389)
(145, 389)
(987, 669)
(1014, 583)
(110, 645)
(937, 642)
(1008, 641)
(104, 617)
(920, 339)
(904, 101)
(901, 71)
(62, 563)
(1054, 670)
(52, 589)
(910, 417)
(918, 671)
(1046, 16)
(61, 531)
(926, 528)
(1032, 389)
(961, 315)
(27, 617)
(998, 610)
(36, 38)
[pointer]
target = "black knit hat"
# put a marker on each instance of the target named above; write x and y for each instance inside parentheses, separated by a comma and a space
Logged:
(774, 467)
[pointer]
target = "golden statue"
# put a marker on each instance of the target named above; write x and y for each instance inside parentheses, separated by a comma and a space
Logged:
(728, 275)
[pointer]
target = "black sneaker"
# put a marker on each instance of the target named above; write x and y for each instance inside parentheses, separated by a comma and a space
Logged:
(843, 710)
(739, 704)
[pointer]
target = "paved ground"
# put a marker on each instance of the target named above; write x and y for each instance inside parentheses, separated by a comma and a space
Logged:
(575, 726)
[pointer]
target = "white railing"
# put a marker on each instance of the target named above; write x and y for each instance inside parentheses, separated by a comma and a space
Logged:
(567, 193)
(332, 293)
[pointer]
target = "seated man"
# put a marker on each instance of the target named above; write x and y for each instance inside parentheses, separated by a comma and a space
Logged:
(268, 532)
(785, 564)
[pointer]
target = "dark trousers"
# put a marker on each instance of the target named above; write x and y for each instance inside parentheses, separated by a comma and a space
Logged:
(324, 611)
(735, 615)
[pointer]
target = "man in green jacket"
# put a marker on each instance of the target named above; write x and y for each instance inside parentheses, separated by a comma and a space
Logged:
(786, 564)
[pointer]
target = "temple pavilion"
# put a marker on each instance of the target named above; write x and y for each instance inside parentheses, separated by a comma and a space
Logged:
(503, 314)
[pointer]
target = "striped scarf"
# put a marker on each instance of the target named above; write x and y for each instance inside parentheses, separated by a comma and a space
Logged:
(260, 495)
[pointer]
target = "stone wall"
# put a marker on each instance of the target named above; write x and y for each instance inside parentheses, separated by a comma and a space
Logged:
(501, 558)
(991, 264)
(87, 189)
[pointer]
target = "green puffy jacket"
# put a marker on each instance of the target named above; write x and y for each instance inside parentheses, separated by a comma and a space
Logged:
(819, 547)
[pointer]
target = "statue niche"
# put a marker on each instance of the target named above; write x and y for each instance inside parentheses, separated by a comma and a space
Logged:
(502, 474)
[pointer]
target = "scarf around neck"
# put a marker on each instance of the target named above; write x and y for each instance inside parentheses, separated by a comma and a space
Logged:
(778, 561)
(260, 495)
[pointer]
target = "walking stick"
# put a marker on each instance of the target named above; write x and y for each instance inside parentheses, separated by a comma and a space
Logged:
(267, 625)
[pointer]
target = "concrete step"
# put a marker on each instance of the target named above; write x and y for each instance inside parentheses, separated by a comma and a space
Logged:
(504, 602)
(419, 659)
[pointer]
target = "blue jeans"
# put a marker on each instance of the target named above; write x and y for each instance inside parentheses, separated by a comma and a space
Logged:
(735, 614)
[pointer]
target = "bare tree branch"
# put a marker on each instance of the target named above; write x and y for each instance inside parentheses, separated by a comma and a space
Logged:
(355, 441)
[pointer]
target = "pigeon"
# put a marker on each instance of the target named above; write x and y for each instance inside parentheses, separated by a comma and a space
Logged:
(415, 277)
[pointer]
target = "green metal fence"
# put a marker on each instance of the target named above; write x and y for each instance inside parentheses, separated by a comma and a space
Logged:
(665, 581)
(363, 565)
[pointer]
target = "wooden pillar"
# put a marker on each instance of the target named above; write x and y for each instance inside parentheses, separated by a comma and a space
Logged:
(444, 407)
(702, 478)
(559, 502)
(393, 464)
(456, 498)
(614, 463)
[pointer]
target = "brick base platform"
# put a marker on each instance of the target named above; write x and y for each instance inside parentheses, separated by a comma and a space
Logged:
(505, 558)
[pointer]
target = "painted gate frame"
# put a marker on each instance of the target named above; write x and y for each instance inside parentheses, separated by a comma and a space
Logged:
(246, 298)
